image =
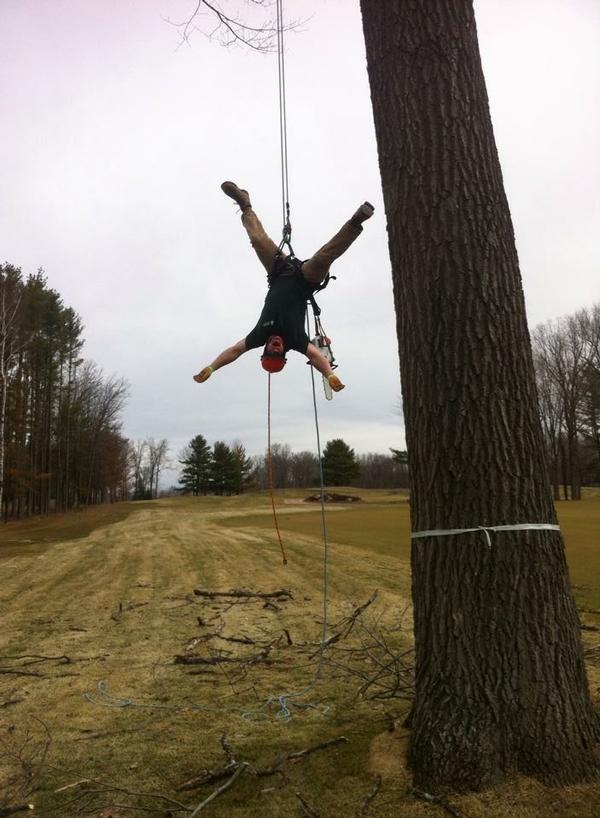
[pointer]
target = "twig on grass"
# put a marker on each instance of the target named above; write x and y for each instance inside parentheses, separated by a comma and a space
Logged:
(9, 702)
(239, 770)
(275, 768)
(14, 809)
(37, 658)
(207, 777)
(322, 746)
(242, 594)
(346, 625)
(227, 749)
(306, 807)
(440, 800)
(107, 787)
(254, 659)
(364, 804)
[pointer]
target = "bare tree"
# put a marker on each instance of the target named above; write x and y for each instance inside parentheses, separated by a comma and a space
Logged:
(588, 322)
(157, 460)
(255, 30)
(561, 361)
(137, 453)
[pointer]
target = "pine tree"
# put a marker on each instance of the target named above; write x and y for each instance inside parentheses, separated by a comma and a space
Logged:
(196, 459)
(224, 469)
(340, 466)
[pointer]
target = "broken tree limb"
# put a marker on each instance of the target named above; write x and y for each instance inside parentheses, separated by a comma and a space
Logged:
(346, 624)
(364, 804)
(240, 769)
(275, 768)
(306, 807)
(242, 594)
(253, 659)
(13, 810)
(227, 749)
(439, 800)
(322, 746)
(207, 777)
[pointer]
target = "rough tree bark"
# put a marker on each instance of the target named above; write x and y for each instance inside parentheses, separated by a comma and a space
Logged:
(500, 678)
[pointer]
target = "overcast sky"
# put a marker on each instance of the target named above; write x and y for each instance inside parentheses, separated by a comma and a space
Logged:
(114, 142)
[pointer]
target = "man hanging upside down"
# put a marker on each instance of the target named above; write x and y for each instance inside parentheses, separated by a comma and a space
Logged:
(281, 323)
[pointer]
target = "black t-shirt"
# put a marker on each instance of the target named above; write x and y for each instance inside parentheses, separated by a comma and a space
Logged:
(284, 313)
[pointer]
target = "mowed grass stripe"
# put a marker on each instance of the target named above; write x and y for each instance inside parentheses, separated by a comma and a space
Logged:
(385, 529)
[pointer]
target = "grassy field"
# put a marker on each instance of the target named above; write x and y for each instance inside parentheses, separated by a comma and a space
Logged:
(97, 719)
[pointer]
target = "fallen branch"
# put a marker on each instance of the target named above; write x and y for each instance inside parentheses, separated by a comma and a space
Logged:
(346, 625)
(12, 810)
(15, 672)
(364, 805)
(322, 746)
(242, 594)
(207, 777)
(240, 769)
(64, 660)
(306, 807)
(227, 749)
(105, 787)
(253, 659)
(275, 768)
(439, 800)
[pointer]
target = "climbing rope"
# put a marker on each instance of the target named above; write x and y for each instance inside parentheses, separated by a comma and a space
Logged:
(285, 701)
(285, 204)
(270, 471)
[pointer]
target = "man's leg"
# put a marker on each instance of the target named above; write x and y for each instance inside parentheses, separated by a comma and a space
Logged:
(316, 268)
(228, 356)
(264, 247)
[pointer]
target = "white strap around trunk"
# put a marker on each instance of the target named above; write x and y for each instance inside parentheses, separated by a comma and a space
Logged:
(448, 532)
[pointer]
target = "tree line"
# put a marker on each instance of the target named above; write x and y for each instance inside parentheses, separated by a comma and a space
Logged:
(223, 469)
(567, 363)
(60, 431)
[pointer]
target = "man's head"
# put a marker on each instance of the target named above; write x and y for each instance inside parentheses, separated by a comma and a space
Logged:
(273, 357)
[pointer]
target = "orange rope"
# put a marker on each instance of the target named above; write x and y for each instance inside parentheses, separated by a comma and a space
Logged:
(270, 470)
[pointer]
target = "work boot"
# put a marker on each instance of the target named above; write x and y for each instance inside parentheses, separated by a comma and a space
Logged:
(234, 192)
(364, 212)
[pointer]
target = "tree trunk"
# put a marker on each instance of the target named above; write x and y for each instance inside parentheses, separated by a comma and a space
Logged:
(500, 678)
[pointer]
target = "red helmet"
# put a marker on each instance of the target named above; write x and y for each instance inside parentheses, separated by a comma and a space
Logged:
(273, 357)
(272, 363)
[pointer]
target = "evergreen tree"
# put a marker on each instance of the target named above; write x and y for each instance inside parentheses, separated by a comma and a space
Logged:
(224, 469)
(196, 459)
(243, 467)
(340, 466)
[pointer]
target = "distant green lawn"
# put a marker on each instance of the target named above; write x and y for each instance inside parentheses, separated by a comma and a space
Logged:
(383, 526)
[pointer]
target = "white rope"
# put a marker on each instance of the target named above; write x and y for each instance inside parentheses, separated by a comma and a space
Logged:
(285, 207)
(485, 529)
